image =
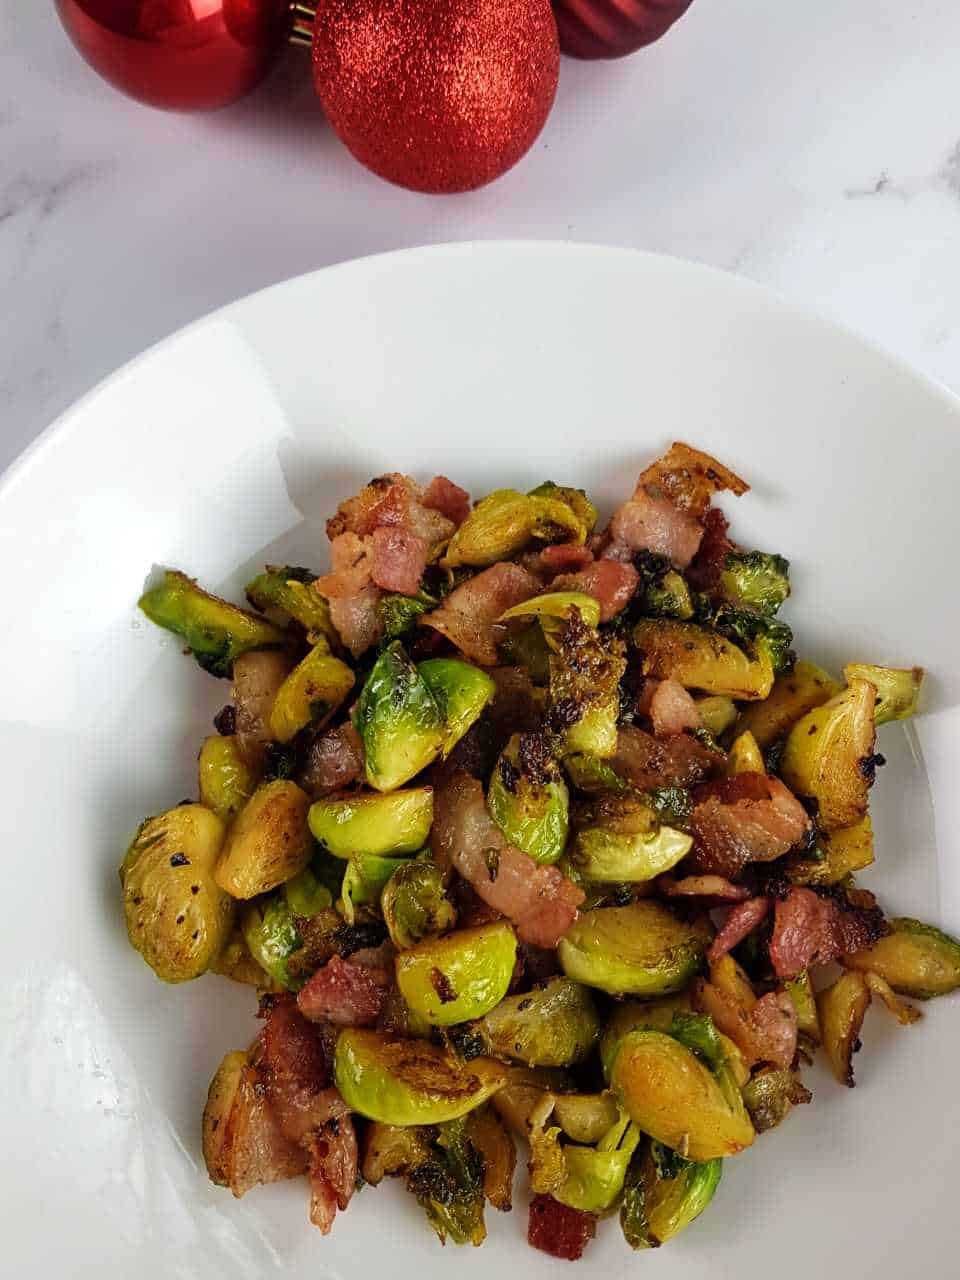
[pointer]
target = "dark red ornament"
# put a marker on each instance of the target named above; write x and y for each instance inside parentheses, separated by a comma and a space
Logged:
(181, 54)
(613, 28)
(436, 95)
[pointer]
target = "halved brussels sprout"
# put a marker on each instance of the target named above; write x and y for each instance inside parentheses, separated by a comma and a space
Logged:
(407, 1082)
(668, 596)
(585, 1117)
(841, 1008)
(770, 1095)
(744, 756)
(364, 880)
(898, 689)
(585, 672)
(415, 903)
(461, 692)
(717, 713)
(460, 976)
(505, 521)
(637, 1015)
(800, 991)
(756, 578)
(551, 1026)
(268, 843)
(214, 631)
(792, 696)
(828, 755)
(177, 916)
(556, 604)
(593, 1176)
(288, 590)
(310, 694)
(623, 842)
(530, 806)
(640, 950)
(226, 780)
(663, 1194)
(270, 926)
(673, 1097)
(843, 851)
(373, 824)
(398, 720)
(701, 659)
(916, 959)
(593, 775)
(576, 500)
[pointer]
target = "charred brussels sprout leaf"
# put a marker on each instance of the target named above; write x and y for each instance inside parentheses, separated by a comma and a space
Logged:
(177, 916)
(310, 694)
(449, 1186)
(288, 590)
(639, 950)
(700, 658)
(416, 905)
(898, 690)
(398, 614)
(398, 720)
(551, 1026)
(576, 500)
(593, 1177)
(214, 631)
(529, 800)
(672, 805)
(398, 822)
(762, 636)
(621, 841)
(461, 692)
(770, 1095)
(792, 696)
(226, 780)
(841, 1008)
(585, 671)
(828, 755)
(756, 578)
(800, 991)
(593, 775)
(460, 976)
(505, 522)
(409, 1082)
(527, 648)
(669, 597)
(916, 959)
(268, 843)
(663, 1194)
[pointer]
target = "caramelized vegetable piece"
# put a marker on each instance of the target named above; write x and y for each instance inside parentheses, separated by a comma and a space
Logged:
(637, 1015)
(829, 756)
(498, 1155)
(717, 713)
(551, 1026)
(916, 959)
(576, 500)
(639, 950)
(505, 521)
(845, 851)
(623, 841)
(226, 781)
(898, 689)
(460, 976)
(177, 916)
(792, 696)
(841, 1008)
(214, 631)
(373, 824)
(364, 880)
(585, 1117)
(310, 694)
(800, 991)
(663, 1194)
(415, 904)
(556, 604)
(593, 1176)
(585, 671)
(770, 1096)
(701, 659)
(268, 843)
(398, 720)
(904, 1013)
(530, 805)
(409, 1081)
(391, 1149)
(288, 591)
(744, 756)
(234, 961)
(461, 692)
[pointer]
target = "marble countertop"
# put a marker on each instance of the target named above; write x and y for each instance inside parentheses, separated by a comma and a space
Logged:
(812, 147)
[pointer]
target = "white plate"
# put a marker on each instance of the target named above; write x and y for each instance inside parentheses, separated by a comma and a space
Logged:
(225, 447)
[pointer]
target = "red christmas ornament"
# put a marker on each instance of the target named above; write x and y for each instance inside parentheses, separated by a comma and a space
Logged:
(436, 95)
(613, 28)
(185, 54)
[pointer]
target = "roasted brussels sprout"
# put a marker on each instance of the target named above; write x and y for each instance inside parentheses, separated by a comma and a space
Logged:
(398, 614)
(755, 578)
(415, 903)
(593, 1176)
(585, 671)
(373, 824)
(701, 659)
(461, 692)
(460, 976)
(585, 1117)
(640, 950)
(898, 689)
(391, 1149)
(270, 926)
(593, 775)
(288, 590)
(916, 959)
(637, 1015)
(214, 631)
(449, 1186)
(556, 605)
(226, 781)
(668, 596)
(792, 696)
(576, 500)
(716, 712)
(770, 1095)
(504, 522)
(310, 694)
(663, 1193)
(268, 843)
(671, 1095)
(365, 878)
(800, 991)
(829, 755)
(398, 720)
(551, 1026)
(841, 853)
(409, 1081)
(528, 648)
(528, 799)
(672, 805)
(177, 916)
(744, 756)
(760, 636)
(841, 1008)
(622, 841)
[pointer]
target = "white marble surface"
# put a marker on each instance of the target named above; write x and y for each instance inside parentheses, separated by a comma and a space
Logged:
(812, 146)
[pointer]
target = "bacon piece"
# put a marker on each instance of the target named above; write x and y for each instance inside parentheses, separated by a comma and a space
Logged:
(448, 498)
(647, 762)
(763, 1030)
(689, 478)
(557, 1229)
(741, 921)
(645, 523)
(467, 615)
(390, 501)
(563, 557)
(810, 928)
(333, 1170)
(672, 709)
(706, 566)
(608, 581)
(351, 567)
(717, 887)
(248, 1146)
(357, 620)
(256, 678)
(334, 760)
(540, 901)
(344, 993)
(750, 817)
(399, 559)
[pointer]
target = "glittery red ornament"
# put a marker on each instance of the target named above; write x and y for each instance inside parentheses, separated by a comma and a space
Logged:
(436, 95)
(613, 28)
(185, 54)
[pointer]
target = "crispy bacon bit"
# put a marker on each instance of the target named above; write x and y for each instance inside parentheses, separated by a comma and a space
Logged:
(763, 1030)
(706, 566)
(559, 1230)
(399, 559)
(351, 567)
(644, 523)
(750, 817)
(357, 620)
(247, 1146)
(256, 678)
(608, 581)
(741, 921)
(811, 928)
(540, 901)
(390, 501)
(672, 709)
(448, 498)
(333, 1170)
(562, 557)
(334, 760)
(690, 478)
(648, 762)
(344, 993)
(468, 613)
(717, 887)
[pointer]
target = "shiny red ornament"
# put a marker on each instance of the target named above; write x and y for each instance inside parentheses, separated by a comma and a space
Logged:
(614, 28)
(436, 95)
(181, 54)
